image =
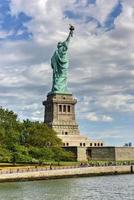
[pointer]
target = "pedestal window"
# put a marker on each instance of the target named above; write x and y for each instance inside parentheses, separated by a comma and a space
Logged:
(64, 108)
(60, 108)
(68, 108)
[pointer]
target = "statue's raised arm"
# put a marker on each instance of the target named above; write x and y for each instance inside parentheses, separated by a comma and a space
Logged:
(60, 64)
(71, 28)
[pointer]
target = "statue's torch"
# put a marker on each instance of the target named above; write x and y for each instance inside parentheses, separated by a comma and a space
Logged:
(71, 28)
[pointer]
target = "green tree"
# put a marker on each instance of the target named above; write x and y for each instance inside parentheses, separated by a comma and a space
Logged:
(26, 141)
(39, 135)
(5, 155)
(62, 155)
(9, 128)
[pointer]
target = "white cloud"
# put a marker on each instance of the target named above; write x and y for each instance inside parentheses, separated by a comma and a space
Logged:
(97, 117)
(101, 66)
(120, 103)
(101, 9)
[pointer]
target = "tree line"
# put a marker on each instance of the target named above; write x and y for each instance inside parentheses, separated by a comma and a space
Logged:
(28, 142)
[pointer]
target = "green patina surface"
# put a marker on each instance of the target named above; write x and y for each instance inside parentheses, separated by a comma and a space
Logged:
(60, 64)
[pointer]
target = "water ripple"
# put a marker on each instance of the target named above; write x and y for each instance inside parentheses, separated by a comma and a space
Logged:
(120, 187)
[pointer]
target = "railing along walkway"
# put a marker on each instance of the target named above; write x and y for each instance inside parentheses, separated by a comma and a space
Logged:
(51, 167)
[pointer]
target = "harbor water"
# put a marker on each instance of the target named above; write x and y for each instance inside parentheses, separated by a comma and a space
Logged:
(119, 187)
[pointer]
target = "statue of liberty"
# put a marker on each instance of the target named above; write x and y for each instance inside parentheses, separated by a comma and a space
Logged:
(60, 64)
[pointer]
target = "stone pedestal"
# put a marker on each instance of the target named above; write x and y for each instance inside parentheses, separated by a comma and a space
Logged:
(60, 114)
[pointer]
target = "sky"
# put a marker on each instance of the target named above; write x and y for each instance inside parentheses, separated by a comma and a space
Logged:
(101, 54)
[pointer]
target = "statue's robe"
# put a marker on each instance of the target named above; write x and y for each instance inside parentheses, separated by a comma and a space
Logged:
(60, 63)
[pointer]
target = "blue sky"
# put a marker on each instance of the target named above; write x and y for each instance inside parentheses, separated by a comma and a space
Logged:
(101, 61)
(13, 24)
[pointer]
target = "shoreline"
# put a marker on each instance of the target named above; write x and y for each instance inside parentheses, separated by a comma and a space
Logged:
(66, 173)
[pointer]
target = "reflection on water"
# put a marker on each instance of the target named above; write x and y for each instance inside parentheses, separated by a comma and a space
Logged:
(120, 187)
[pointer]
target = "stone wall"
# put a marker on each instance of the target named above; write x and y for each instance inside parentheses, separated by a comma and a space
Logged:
(124, 153)
(102, 153)
(70, 172)
(81, 154)
(111, 153)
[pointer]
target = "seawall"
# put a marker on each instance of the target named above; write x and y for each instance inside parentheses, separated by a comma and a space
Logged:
(69, 172)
